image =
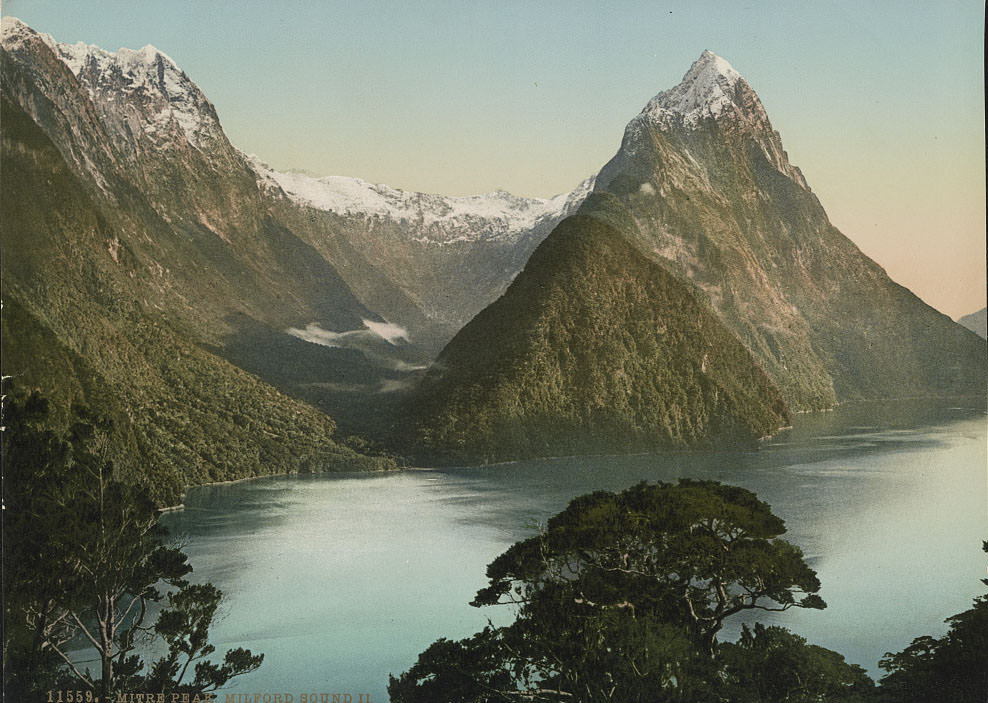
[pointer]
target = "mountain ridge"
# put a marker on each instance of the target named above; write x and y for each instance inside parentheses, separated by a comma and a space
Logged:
(504, 216)
(184, 193)
(612, 351)
(977, 322)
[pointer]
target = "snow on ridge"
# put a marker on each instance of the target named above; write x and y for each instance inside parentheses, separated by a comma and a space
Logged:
(438, 219)
(147, 71)
(706, 90)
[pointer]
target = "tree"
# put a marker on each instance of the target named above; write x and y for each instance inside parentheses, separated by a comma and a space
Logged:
(34, 463)
(85, 558)
(771, 664)
(953, 667)
(695, 553)
(621, 597)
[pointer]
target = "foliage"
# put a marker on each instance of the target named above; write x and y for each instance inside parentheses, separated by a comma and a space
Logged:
(953, 667)
(621, 598)
(694, 553)
(771, 664)
(97, 312)
(85, 561)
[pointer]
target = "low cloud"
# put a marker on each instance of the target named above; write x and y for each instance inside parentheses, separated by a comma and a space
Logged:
(387, 331)
(392, 385)
(380, 343)
(352, 339)
(317, 335)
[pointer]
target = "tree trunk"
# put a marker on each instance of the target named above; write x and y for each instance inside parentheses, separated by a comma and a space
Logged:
(106, 649)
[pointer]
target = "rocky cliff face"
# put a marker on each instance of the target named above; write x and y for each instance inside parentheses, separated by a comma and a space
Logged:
(428, 262)
(151, 267)
(707, 189)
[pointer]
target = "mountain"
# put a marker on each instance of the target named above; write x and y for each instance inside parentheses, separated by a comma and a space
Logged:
(712, 194)
(222, 311)
(977, 322)
(592, 347)
(134, 242)
(702, 188)
(153, 269)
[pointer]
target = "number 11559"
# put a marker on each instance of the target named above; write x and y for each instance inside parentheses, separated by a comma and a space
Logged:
(71, 697)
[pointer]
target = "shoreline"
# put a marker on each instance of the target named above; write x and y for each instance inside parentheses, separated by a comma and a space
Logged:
(185, 492)
(508, 462)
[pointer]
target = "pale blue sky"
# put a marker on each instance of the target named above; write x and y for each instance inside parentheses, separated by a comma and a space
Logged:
(880, 103)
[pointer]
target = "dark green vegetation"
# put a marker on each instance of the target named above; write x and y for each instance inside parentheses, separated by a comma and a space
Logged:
(592, 347)
(153, 271)
(620, 598)
(87, 568)
(953, 667)
(124, 279)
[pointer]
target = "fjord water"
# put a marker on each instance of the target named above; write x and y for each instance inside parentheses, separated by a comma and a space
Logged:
(341, 580)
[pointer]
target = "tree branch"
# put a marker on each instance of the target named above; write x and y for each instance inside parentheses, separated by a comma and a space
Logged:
(72, 666)
(86, 632)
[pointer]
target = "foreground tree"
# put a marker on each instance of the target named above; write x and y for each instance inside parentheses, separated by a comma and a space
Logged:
(770, 664)
(85, 558)
(621, 597)
(953, 667)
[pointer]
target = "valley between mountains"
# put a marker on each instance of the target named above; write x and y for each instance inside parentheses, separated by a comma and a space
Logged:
(235, 321)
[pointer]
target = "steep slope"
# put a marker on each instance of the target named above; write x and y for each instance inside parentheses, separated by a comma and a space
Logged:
(977, 322)
(147, 145)
(592, 348)
(338, 302)
(712, 195)
(285, 276)
(136, 250)
(77, 329)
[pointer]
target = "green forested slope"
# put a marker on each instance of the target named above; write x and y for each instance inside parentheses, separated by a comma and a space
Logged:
(593, 348)
(79, 324)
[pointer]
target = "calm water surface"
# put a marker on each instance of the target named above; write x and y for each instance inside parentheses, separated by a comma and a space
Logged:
(341, 580)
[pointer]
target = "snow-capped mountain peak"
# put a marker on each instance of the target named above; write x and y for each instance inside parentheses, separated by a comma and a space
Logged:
(707, 90)
(158, 90)
(13, 30)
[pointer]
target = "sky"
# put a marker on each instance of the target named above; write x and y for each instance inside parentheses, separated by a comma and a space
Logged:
(880, 103)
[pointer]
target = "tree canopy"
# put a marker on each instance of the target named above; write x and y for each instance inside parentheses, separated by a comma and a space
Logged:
(953, 667)
(621, 597)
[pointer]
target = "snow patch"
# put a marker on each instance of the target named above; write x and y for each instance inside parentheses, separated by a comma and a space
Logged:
(437, 219)
(707, 90)
(149, 75)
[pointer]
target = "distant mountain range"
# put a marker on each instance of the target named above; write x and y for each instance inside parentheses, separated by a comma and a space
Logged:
(218, 309)
(431, 262)
(977, 322)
